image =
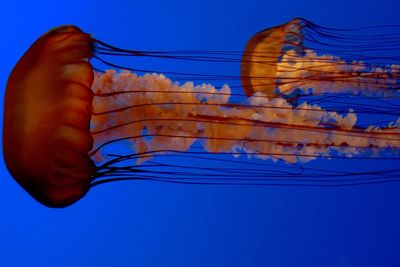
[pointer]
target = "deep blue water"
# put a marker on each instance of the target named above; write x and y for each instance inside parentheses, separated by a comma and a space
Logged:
(158, 224)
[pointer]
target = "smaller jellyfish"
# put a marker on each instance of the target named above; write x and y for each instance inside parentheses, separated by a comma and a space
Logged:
(300, 57)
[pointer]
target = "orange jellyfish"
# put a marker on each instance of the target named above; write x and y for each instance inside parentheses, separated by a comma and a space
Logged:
(47, 113)
(300, 104)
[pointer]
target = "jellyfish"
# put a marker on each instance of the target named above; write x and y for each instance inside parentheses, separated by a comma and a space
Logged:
(306, 94)
(46, 118)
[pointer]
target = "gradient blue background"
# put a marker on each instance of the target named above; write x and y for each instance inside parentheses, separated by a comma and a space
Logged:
(155, 224)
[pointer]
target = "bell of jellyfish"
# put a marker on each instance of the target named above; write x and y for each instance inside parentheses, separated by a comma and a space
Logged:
(47, 112)
(259, 68)
(303, 105)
